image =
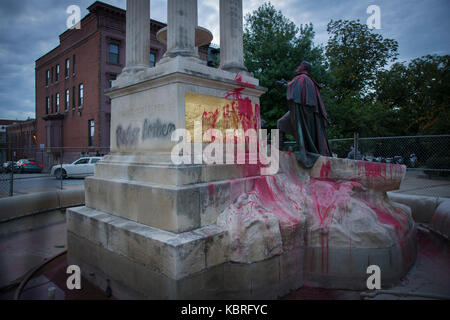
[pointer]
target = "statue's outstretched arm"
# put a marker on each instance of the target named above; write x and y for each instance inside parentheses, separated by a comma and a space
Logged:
(282, 84)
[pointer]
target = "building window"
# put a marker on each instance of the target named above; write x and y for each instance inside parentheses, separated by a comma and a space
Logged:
(67, 70)
(47, 78)
(51, 76)
(52, 103)
(47, 105)
(73, 98)
(66, 106)
(57, 103)
(152, 59)
(73, 64)
(91, 133)
(111, 78)
(114, 53)
(80, 95)
(57, 73)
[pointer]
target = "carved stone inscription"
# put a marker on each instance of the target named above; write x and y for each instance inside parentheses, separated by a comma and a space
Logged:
(151, 129)
(157, 129)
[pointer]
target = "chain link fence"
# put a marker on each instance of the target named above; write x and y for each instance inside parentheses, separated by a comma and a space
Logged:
(427, 159)
(28, 170)
(430, 154)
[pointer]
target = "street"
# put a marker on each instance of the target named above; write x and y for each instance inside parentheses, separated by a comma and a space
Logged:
(415, 182)
(36, 182)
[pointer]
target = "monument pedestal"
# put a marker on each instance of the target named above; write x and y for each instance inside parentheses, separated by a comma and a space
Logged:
(143, 262)
(152, 229)
(138, 180)
(149, 226)
(259, 237)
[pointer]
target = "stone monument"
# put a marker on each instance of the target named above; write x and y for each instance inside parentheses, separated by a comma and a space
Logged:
(153, 229)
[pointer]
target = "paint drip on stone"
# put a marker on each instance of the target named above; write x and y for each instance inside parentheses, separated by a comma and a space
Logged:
(294, 208)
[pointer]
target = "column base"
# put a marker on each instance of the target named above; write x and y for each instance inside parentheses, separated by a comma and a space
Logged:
(130, 74)
(190, 56)
(235, 68)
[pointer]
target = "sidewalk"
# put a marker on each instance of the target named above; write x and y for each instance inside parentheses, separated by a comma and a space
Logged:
(418, 183)
(21, 252)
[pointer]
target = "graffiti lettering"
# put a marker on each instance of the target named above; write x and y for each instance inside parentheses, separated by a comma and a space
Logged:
(157, 129)
(128, 137)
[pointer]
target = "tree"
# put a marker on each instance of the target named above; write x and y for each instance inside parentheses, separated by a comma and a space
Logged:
(419, 94)
(273, 48)
(356, 55)
(360, 93)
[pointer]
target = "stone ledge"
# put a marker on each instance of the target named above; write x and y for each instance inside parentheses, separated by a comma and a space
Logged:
(169, 175)
(174, 255)
(22, 205)
(346, 268)
(422, 207)
(183, 69)
(130, 279)
(171, 208)
(372, 175)
(441, 219)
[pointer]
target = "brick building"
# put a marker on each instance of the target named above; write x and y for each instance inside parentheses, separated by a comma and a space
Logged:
(5, 154)
(22, 139)
(72, 111)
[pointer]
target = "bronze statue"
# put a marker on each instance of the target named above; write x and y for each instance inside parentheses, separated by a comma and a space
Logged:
(307, 118)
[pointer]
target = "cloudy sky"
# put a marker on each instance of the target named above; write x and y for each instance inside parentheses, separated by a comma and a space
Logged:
(30, 28)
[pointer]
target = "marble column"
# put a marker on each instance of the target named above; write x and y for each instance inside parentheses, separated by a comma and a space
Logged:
(137, 35)
(181, 23)
(196, 24)
(231, 39)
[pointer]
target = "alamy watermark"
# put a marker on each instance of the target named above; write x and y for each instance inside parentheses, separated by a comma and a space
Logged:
(237, 147)
(374, 281)
(374, 20)
(74, 19)
(74, 280)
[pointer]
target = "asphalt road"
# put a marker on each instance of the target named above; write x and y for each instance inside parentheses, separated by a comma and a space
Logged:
(415, 182)
(37, 182)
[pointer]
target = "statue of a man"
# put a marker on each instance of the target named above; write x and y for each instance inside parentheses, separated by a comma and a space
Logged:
(307, 118)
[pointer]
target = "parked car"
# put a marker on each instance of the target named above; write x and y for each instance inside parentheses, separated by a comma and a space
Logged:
(29, 166)
(82, 167)
(8, 165)
(398, 160)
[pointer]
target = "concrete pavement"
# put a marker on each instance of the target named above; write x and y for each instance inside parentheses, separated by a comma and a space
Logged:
(21, 252)
(418, 183)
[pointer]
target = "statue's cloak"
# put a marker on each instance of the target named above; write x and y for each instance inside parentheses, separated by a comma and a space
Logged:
(305, 91)
(309, 118)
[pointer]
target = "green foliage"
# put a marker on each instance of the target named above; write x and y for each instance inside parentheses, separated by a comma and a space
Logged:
(355, 55)
(273, 48)
(359, 93)
(419, 94)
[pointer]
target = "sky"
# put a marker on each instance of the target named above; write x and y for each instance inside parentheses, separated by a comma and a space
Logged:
(30, 28)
